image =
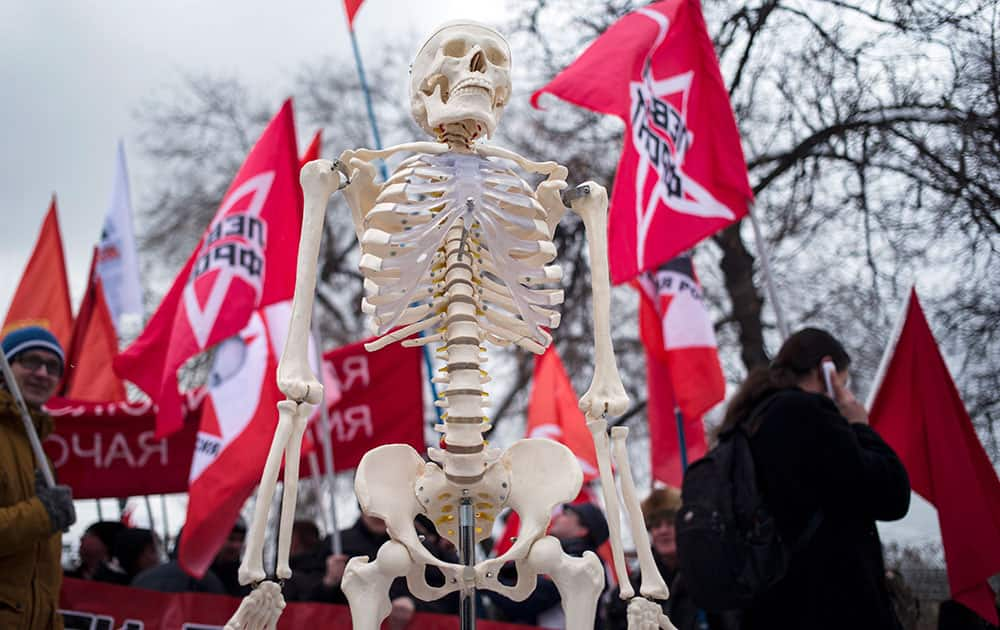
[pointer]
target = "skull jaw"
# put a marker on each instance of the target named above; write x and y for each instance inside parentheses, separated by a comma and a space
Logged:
(474, 106)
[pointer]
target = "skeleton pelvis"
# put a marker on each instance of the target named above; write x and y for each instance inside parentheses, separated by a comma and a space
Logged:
(533, 476)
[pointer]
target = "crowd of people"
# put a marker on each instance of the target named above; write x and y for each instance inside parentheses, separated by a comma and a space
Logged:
(824, 474)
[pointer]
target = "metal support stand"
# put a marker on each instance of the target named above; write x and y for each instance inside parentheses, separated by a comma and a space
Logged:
(467, 554)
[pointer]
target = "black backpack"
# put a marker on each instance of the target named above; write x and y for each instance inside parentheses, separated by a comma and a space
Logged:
(728, 545)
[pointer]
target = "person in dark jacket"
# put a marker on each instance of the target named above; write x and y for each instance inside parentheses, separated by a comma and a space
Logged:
(133, 551)
(827, 477)
(32, 514)
(659, 511)
(580, 527)
(170, 577)
(95, 549)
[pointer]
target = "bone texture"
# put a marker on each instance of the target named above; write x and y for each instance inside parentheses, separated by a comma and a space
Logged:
(457, 246)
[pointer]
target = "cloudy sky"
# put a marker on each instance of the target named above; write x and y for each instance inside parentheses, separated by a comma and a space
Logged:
(75, 73)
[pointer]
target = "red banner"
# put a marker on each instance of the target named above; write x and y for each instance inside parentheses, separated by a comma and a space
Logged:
(381, 401)
(87, 605)
(109, 450)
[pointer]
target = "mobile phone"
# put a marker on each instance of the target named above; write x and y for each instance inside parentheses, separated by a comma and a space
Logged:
(828, 369)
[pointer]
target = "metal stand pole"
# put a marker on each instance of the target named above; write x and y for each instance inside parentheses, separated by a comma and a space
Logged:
(326, 442)
(467, 555)
(765, 264)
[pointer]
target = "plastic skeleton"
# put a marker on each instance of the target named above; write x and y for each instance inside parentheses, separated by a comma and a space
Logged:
(457, 244)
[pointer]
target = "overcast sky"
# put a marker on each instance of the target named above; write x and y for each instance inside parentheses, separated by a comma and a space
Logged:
(74, 74)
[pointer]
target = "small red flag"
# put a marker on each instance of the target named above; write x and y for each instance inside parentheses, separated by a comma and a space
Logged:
(916, 408)
(682, 176)
(352, 6)
(245, 261)
(554, 411)
(89, 375)
(42, 297)
(313, 150)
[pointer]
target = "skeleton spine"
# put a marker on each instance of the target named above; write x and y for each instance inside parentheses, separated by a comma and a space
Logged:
(464, 423)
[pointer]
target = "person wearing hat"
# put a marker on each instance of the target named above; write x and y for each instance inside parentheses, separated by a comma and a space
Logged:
(32, 515)
(580, 527)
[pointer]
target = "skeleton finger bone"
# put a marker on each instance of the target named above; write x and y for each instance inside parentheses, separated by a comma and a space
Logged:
(652, 584)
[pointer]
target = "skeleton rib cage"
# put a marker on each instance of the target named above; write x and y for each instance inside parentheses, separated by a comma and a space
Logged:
(436, 211)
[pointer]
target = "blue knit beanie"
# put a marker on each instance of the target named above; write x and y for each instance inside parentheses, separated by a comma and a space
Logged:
(31, 338)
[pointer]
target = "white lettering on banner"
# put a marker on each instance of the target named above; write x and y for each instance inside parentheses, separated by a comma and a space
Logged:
(150, 446)
(95, 451)
(352, 371)
(347, 422)
(63, 449)
(77, 620)
(119, 449)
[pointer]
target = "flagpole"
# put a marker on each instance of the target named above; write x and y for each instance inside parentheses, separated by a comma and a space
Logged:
(384, 171)
(679, 415)
(765, 262)
(326, 442)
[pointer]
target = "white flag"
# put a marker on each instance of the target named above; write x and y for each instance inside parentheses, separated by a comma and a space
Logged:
(117, 264)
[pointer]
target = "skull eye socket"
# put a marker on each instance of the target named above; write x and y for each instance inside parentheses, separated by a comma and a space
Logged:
(455, 48)
(496, 56)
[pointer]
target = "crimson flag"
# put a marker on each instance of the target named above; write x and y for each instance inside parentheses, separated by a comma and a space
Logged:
(352, 6)
(238, 421)
(916, 408)
(42, 297)
(682, 365)
(245, 261)
(682, 175)
(89, 376)
(554, 412)
(313, 150)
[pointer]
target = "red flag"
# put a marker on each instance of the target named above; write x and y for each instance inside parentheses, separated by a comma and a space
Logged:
(682, 365)
(238, 421)
(89, 376)
(352, 6)
(313, 150)
(686, 342)
(245, 261)
(916, 408)
(554, 412)
(42, 297)
(682, 176)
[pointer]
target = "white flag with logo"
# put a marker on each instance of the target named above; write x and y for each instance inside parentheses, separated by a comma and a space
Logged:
(117, 262)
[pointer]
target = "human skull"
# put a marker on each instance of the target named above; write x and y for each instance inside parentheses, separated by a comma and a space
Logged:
(461, 73)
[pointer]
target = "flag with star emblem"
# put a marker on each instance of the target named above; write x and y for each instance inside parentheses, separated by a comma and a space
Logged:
(682, 175)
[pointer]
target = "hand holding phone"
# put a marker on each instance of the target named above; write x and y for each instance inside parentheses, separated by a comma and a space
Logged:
(828, 369)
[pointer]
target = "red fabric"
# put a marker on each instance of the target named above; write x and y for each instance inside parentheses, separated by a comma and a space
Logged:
(918, 411)
(313, 150)
(245, 260)
(42, 297)
(104, 450)
(682, 176)
(352, 6)
(381, 402)
(664, 441)
(554, 412)
(686, 340)
(83, 601)
(238, 422)
(89, 375)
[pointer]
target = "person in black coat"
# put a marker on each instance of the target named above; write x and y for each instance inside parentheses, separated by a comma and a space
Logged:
(827, 477)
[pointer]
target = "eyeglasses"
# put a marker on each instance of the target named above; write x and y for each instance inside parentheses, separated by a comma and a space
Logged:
(53, 367)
